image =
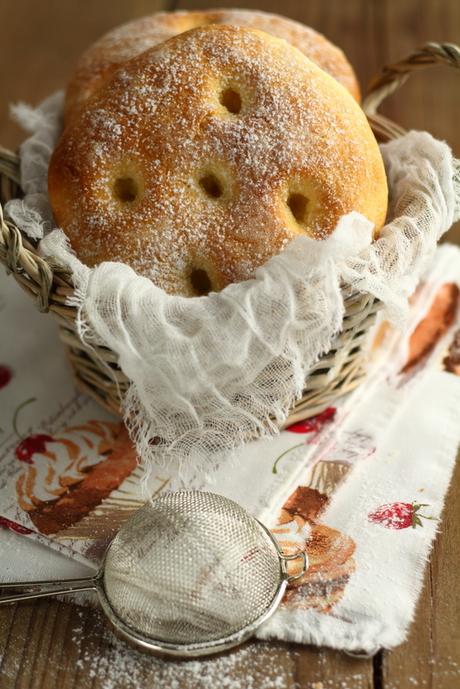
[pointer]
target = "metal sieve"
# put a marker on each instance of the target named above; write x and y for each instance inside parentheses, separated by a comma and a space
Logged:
(189, 574)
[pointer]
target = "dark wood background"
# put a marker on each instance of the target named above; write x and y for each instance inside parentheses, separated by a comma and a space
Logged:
(52, 645)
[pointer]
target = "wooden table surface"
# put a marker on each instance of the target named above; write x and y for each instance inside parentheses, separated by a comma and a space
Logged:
(54, 645)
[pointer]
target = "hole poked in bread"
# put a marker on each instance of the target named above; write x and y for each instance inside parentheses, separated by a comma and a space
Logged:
(211, 185)
(125, 189)
(231, 100)
(126, 182)
(200, 282)
(300, 201)
(231, 97)
(298, 205)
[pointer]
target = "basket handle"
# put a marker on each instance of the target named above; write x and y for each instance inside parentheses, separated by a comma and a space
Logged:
(394, 75)
(9, 165)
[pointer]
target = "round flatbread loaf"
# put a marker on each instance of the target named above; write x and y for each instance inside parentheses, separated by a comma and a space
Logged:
(205, 155)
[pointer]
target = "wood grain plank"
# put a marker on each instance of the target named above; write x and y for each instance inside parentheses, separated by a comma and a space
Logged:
(40, 42)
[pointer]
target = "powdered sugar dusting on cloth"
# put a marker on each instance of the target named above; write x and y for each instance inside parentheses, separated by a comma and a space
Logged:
(209, 372)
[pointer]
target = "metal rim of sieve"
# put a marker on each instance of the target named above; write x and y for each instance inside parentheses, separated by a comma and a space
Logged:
(193, 650)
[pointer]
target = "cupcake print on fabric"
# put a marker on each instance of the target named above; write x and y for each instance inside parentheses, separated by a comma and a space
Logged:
(66, 476)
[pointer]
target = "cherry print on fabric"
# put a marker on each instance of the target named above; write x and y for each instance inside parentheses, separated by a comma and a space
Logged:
(5, 375)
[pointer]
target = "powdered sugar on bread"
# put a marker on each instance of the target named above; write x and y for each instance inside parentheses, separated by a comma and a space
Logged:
(201, 158)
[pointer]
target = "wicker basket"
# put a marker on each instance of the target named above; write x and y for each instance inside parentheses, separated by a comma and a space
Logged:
(97, 372)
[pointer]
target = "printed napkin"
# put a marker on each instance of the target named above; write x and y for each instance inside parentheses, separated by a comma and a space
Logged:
(360, 487)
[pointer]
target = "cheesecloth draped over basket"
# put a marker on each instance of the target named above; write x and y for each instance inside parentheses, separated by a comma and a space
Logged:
(209, 372)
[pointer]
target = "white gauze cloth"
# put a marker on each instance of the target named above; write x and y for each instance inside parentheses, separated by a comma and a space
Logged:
(207, 373)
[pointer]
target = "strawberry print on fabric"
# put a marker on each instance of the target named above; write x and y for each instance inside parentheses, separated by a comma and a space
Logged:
(399, 515)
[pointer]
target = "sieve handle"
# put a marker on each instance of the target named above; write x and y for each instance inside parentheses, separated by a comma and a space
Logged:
(295, 556)
(394, 75)
(26, 590)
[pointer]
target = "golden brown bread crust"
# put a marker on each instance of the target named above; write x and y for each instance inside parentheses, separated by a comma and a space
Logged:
(103, 58)
(209, 153)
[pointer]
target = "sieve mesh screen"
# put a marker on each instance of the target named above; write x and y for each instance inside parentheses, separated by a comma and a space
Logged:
(191, 567)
